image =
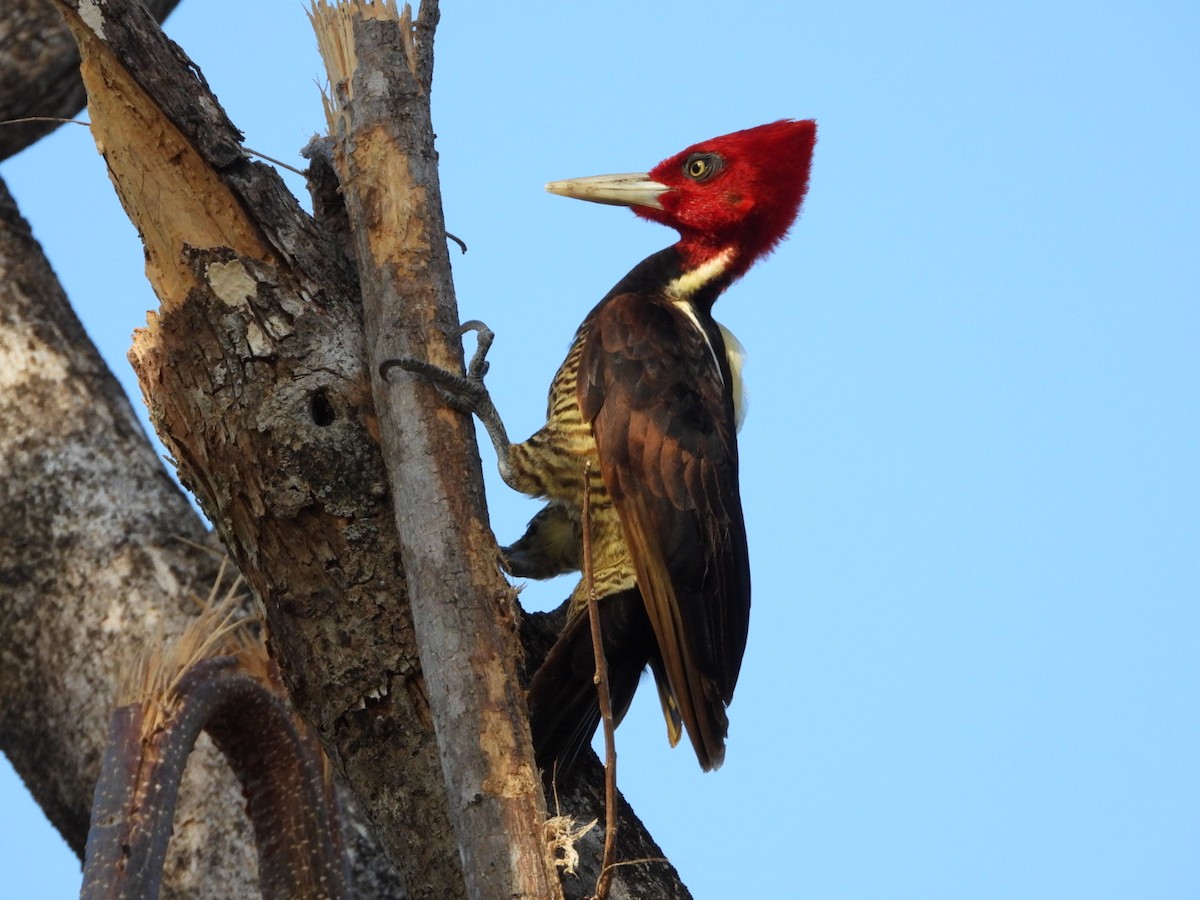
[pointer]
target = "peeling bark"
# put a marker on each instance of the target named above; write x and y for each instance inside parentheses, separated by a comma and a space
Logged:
(252, 370)
(101, 555)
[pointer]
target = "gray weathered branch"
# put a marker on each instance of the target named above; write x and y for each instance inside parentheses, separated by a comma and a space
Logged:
(463, 610)
(99, 554)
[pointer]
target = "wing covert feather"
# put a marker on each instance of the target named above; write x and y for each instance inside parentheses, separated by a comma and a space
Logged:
(653, 385)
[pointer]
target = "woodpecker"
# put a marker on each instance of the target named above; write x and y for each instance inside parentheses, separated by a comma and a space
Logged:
(643, 414)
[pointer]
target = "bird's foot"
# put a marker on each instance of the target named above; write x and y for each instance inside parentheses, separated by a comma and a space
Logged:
(466, 393)
(550, 546)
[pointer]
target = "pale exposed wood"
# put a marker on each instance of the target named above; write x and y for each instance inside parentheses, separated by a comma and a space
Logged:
(463, 610)
(39, 70)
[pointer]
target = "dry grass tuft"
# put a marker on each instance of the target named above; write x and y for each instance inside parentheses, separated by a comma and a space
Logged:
(560, 835)
(220, 629)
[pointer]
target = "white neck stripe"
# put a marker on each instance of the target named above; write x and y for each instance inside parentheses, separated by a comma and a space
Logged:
(686, 285)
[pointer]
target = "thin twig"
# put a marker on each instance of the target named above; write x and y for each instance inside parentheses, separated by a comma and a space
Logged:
(275, 161)
(601, 678)
(56, 119)
(26, 120)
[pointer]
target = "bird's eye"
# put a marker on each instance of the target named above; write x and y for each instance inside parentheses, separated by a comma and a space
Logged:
(702, 166)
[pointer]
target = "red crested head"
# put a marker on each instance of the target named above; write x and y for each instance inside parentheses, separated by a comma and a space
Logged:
(742, 190)
(733, 196)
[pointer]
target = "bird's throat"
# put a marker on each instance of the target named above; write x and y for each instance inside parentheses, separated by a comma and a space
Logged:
(697, 276)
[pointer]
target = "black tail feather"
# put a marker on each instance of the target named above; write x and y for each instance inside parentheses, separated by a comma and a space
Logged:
(563, 707)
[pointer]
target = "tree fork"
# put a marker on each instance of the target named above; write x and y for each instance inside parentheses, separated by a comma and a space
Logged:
(253, 373)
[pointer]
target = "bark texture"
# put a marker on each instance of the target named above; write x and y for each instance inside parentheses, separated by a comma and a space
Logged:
(463, 610)
(99, 555)
(39, 69)
(253, 373)
(218, 678)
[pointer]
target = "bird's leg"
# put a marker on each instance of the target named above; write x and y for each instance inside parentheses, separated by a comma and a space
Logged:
(466, 393)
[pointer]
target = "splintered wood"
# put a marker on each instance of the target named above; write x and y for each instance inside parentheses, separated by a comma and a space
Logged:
(169, 192)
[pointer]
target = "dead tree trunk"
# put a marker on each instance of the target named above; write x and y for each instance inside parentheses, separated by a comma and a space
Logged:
(255, 372)
(463, 611)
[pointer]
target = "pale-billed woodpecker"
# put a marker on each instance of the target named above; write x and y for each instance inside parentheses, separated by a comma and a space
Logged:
(645, 411)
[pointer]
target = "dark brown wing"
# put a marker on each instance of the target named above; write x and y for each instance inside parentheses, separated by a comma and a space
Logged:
(654, 384)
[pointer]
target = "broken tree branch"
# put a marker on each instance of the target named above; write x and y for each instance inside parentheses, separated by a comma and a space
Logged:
(216, 677)
(380, 69)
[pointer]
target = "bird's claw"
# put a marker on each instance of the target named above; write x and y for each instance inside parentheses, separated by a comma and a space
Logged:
(466, 393)
(478, 366)
(462, 392)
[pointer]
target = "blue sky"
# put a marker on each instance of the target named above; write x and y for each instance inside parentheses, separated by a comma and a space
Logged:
(970, 465)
